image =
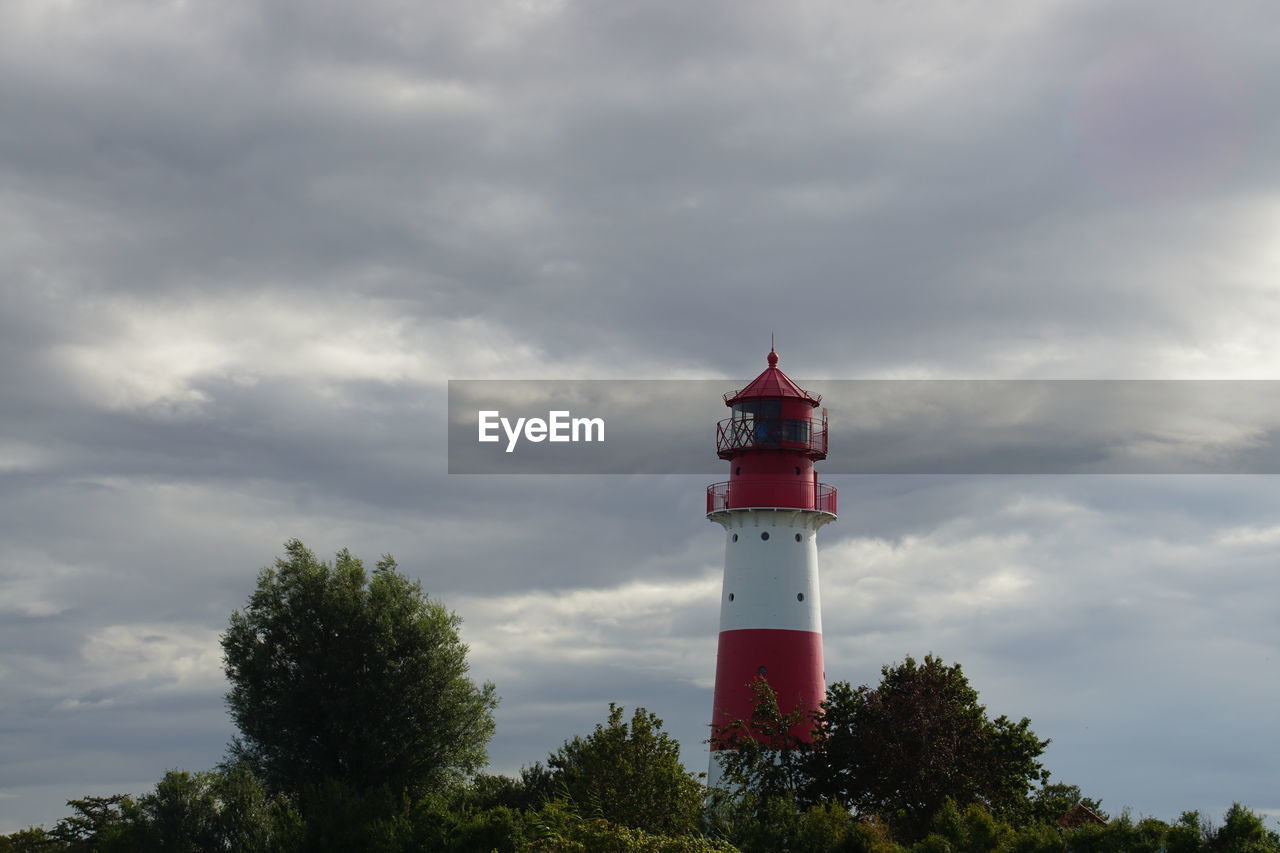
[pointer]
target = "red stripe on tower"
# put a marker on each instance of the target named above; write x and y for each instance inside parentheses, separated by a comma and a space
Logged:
(771, 509)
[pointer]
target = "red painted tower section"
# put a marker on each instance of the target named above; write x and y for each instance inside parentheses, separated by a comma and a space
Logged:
(771, 509)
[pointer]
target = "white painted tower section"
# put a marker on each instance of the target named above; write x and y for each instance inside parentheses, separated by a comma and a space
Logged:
(773, 581)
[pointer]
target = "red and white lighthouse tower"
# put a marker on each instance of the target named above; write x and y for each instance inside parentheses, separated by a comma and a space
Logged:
(771, 509)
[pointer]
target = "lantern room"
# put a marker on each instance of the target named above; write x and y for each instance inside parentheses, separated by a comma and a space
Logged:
(771, 440)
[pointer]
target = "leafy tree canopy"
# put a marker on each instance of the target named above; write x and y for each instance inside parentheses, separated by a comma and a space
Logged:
(1053, 800)
(95, 823)
(361, 680)
(762, 758)
(902, 749)
(629, 774)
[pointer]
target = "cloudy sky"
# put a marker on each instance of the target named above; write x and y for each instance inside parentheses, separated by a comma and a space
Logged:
(245, 243)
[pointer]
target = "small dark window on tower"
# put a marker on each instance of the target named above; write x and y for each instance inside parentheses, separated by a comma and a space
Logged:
(765, 536)
(797, 470)
(799, 596)
(731, 596)
(762, 670)
(797, 537)
(735, 537)
(737, 471)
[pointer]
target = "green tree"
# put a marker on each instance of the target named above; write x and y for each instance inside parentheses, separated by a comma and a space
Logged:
(1187, 835)
(98, 823)
(558, 829)
(902, 749)
(1120, 835)
(340, 816)
(762, 758)
(454, 824)
(361, 680)
(629, 774)
(973, 830)
(1243, 831)
(249, 819)
(33, 839)
(1038, 838)
(765, 804)
(532, 789)
(226, 809)
(1054, 799)
(182, 814)
(781, 825)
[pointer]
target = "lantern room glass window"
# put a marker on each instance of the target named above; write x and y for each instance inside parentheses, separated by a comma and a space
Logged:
(758, 410)
(797, 431)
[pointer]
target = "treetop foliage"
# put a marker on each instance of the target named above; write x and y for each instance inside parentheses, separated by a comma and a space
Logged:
(339, 675)
(763, 757)
(901, 749)
(898, 751)
(629, 773)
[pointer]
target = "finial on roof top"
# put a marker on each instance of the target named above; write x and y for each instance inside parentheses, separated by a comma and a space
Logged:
(773, 356)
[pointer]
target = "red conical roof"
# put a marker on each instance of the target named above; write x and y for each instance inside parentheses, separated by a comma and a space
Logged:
(773, 384)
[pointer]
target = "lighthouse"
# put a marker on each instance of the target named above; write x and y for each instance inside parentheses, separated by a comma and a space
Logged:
(771, 509)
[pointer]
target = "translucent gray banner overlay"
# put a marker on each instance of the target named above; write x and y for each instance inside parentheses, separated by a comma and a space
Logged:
(876, 426)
